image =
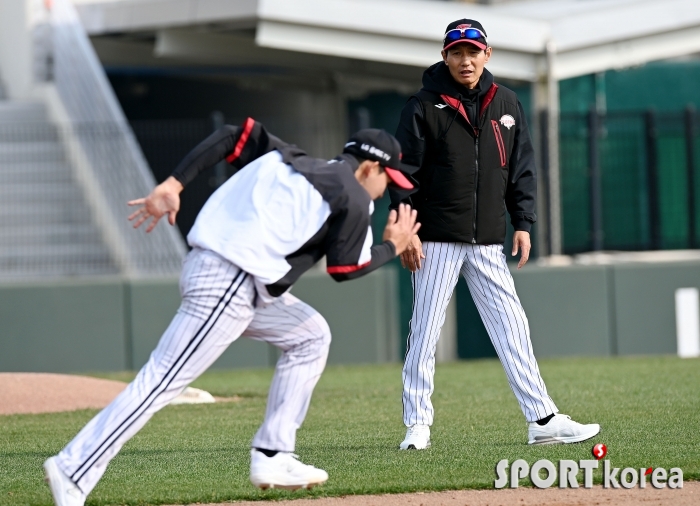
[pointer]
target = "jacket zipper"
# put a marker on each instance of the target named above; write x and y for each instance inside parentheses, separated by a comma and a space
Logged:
(476, 181)
(461, 110)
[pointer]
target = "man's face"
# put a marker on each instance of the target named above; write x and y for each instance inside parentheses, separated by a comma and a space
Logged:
(466, 63)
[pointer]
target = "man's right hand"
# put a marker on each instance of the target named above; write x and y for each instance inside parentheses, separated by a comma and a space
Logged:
(164, 199)
(411, 258)
(401, 227)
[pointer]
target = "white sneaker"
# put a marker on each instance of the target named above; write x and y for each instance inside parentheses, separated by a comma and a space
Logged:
(284, 470)
(64, 491)
(417, 438)
(560, 429)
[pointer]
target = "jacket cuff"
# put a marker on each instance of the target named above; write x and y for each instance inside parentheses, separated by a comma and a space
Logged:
(521, 224)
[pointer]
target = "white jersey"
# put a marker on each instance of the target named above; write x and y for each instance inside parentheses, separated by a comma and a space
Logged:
(262, 214)
(282, 212)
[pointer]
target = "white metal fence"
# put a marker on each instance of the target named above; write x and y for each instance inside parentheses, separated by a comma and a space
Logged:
(106, 158)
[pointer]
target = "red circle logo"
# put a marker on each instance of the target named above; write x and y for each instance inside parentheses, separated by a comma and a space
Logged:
(599, 451)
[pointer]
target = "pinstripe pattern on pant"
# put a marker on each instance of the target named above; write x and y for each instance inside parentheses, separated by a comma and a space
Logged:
(491, 286)
(304, 338)
(218, 306)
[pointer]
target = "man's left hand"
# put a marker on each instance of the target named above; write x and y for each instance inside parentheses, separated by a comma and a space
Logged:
(521, 241)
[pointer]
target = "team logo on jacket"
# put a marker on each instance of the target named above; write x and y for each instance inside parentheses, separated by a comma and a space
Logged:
(507, 121)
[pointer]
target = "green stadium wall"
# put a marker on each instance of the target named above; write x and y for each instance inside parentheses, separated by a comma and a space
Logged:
(113, 324)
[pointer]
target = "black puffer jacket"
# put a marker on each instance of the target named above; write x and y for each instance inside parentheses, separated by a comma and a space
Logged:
(475, 159)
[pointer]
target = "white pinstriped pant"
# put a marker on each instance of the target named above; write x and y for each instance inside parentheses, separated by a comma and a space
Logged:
(218, 306)
(491, 286)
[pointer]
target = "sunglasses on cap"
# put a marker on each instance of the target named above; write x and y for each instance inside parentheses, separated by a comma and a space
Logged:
(463, 33)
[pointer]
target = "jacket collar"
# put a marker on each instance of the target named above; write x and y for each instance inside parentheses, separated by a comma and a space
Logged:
(437, 79)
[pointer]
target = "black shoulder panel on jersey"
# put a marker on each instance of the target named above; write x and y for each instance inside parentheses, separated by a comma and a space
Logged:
(237, 145)
(343, 236)
(301, 261)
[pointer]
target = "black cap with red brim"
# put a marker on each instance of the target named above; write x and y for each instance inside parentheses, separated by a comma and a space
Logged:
(398, 178)
(464, 31)
(380, 146)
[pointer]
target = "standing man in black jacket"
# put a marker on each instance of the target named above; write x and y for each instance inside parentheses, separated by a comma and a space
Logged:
(469, 137)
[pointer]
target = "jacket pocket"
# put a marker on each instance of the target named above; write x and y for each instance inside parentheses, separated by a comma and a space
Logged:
(499, 142)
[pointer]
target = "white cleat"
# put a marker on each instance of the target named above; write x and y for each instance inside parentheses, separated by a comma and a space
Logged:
(417, 438)
(64, 491)
(560, 429)
(284, 470)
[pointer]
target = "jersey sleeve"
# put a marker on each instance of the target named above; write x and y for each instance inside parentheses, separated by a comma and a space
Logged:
(350, 253)
(238, 145)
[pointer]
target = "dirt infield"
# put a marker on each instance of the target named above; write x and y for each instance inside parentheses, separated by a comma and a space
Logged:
(52, 393)
(49, 393)
(687, 496)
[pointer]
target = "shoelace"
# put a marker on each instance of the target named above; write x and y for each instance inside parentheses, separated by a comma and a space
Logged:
(296, 463)
(416, 429)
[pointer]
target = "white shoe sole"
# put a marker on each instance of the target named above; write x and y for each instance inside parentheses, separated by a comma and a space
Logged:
(553, 440)
(265, 484)
(413, 447)
(50, 468)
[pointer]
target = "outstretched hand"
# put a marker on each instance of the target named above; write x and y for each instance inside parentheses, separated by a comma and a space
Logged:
(164, 199)
(411, 258)
(521, 241)
(401, 227)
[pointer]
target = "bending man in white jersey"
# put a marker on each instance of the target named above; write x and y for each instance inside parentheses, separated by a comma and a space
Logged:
(269, 223)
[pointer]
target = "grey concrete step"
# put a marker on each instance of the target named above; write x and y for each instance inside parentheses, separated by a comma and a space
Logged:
(28, 132)
(58, 251)
(60, 233)
(66, 259)
(41, 193)
(29, 172)
(24, 268)
(20, 273)
(14, 152)
(79, 213)
(20, 111)
(46, 226)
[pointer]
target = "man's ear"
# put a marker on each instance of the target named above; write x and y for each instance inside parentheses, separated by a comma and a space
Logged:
(444, 55)
(488, 52)
(364, 169)
(367, 166)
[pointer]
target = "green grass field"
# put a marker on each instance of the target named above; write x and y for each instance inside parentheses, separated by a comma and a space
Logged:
(649, 409)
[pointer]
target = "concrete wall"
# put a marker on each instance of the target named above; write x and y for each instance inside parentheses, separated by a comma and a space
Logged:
(569, 309)
(67, 326)
(602, 310)
(362, 314)
(644, 303)
(113, 324)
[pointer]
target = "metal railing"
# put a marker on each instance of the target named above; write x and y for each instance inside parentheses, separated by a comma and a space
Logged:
(632, 186)
(49, 225)
(629, 180)
(104, 152)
